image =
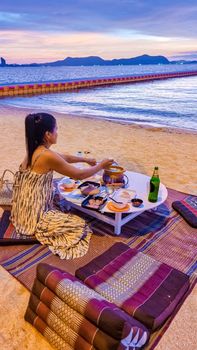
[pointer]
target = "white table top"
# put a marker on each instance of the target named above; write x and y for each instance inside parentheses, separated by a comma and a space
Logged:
(140, 184)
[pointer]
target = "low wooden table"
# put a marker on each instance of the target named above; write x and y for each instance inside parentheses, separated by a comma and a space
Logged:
(140, 184)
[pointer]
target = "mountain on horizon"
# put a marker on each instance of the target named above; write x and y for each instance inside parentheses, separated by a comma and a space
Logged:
(98, 61)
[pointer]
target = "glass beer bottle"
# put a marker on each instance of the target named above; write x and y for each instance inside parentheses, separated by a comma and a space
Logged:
(154, 186)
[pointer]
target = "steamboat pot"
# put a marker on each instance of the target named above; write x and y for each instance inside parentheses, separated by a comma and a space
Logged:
(115, 175)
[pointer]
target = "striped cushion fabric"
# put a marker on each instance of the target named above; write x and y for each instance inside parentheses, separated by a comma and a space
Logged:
(8, 235)
(143, 287)
(187, 208)
(67, 312)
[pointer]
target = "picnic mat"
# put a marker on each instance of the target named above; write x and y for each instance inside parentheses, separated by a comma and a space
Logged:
(162, 234)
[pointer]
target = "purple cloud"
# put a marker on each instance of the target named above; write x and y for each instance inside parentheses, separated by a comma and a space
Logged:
(162, 18)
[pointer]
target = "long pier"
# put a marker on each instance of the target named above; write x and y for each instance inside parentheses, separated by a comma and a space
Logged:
(57, 86)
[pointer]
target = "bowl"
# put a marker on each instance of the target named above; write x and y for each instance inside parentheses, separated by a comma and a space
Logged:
(68, 183)
(136, 202)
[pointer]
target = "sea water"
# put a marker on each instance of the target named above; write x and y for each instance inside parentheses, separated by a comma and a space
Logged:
(163, 103)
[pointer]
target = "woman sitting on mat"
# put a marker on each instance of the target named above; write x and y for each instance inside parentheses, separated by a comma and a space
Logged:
(32, 214)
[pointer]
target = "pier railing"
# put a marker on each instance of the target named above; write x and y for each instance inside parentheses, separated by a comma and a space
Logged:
(58, 86)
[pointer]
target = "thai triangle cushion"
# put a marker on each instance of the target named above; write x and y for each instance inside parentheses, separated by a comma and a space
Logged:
(53, 338)
(52, 308)
(8, 235)
(187, 208)
(58, 297)
(72, 327)
(143, 287)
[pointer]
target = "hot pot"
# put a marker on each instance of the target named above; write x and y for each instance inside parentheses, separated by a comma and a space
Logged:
(115, 174)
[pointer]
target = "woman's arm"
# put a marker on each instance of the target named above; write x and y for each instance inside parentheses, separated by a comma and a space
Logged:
(57, 163)
(75, 159)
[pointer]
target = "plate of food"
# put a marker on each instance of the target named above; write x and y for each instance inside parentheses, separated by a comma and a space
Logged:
(123, 195)
(67, 188)
(67, 184)
(118, 207)
(89, 188)
(94, 202)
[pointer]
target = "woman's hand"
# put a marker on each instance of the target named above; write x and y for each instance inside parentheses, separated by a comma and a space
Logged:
(106, 163)
(90, 161)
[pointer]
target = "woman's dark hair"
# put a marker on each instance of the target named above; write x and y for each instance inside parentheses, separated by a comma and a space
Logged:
(36, 126)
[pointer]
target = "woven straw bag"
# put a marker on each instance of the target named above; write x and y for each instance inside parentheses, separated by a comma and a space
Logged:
(6, 188)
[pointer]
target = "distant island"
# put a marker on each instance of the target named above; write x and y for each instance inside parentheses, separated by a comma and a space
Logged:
(98, 61)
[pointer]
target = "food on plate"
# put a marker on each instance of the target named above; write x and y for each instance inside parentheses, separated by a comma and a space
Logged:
(121, 198)
(112, 207)
(89, 190)
(95, 203)
(125, 194)
(118, 205)
(68, 184)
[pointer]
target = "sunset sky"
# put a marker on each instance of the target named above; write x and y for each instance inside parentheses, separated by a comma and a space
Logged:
(46, 30)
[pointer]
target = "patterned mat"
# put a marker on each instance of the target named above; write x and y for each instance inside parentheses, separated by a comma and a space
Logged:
(162, 234)
(8, 234)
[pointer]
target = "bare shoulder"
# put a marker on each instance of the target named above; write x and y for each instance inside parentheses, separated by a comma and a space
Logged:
(43, 161)
(43, 154)
(51, 155)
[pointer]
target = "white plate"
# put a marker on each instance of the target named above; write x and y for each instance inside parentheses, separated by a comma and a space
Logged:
(74, 196)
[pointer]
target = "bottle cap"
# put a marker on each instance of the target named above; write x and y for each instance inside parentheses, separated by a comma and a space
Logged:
(156, 167)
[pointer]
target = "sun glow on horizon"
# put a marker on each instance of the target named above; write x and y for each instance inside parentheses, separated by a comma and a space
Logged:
(30, 47)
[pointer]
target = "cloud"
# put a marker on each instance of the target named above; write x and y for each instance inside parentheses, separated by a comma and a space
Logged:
(164, 18)
(190, 56)
(35, 30)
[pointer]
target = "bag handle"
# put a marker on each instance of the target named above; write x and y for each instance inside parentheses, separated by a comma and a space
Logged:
(5, 171)
(2, 181)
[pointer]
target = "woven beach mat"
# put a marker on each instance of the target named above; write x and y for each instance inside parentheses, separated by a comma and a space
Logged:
(162, 234)
(8, 234)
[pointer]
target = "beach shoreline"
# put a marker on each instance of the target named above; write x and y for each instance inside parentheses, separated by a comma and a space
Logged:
(136, 124)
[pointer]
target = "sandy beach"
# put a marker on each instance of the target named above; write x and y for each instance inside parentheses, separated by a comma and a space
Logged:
(133, 147)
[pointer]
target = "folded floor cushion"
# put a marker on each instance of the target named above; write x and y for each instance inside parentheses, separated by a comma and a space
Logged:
(79, 315)
(187, 208)
(44, 329)
(8, 235)
(143, 287)
(76, 330)
(49, 306)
